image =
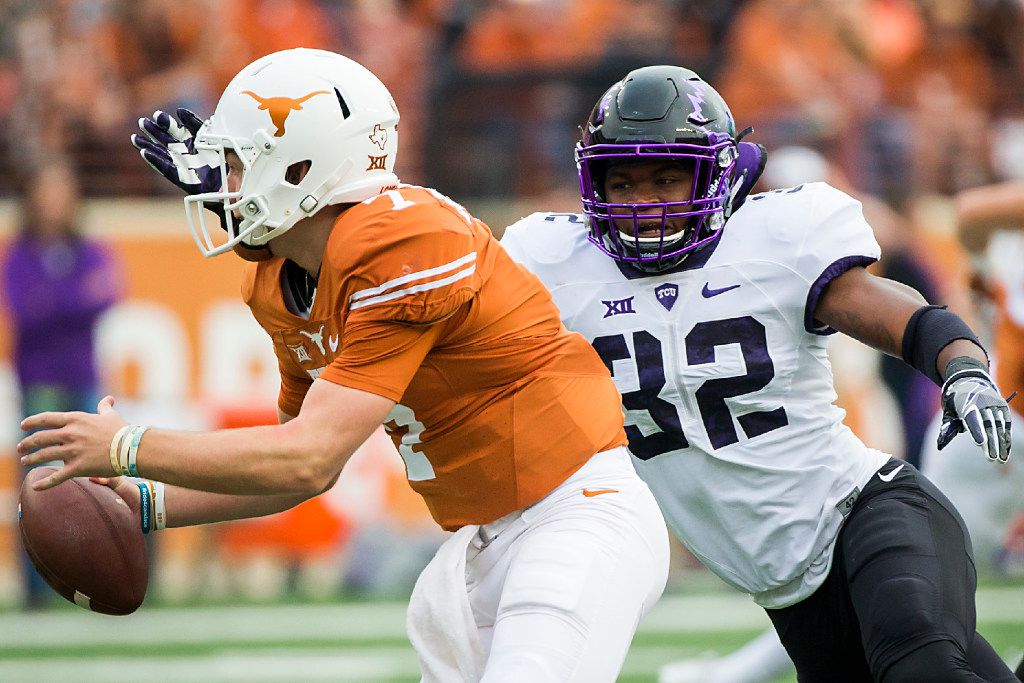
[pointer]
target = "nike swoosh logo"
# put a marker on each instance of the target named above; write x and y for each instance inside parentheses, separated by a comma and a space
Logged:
(889, 477)
(707, 292)
(590, 493)
(333, 342)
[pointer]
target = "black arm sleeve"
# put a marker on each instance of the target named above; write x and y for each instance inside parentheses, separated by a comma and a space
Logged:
(928, 331)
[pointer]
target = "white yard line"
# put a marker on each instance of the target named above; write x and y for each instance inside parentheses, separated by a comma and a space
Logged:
(202, 625)
(301, 664)
(176, 627)
(371, 664)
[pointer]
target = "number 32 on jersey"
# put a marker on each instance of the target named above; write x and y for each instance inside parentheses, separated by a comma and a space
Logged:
(711, 396)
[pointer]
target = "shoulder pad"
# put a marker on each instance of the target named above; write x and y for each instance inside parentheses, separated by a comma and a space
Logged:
(788, 215)
(416, 263)
(545, 237)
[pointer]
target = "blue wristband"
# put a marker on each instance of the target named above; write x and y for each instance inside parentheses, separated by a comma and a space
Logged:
(146, 506)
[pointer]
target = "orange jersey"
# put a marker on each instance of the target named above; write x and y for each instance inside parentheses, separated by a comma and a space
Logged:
(496, 402)
(1008, 348)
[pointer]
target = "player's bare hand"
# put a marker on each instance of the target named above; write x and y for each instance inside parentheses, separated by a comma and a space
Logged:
(128, 491)
(81, 440)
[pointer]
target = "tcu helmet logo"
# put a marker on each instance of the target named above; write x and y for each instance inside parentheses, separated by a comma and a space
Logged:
(281, 107)
(667, 295)
(697, 100)
(379, 136)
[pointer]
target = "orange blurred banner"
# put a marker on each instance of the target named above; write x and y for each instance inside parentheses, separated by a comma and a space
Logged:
(182, 350)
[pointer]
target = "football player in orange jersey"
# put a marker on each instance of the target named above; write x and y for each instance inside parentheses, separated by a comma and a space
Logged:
(989, 498)
(981, 212)
(391, 304)
(996, 519)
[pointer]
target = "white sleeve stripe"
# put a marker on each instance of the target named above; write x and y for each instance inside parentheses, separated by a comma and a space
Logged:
(418, 275)
(414, 289)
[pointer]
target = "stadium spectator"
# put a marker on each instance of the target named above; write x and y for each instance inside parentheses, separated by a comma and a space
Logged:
(168, 55)
(790, 67)
(71, 97)
(892, 89)
(990, 219)
(400, 46)
(56, 284)
(905, 262)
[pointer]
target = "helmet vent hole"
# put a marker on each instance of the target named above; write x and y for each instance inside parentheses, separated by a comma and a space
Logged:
(345, 113)
(297, 172)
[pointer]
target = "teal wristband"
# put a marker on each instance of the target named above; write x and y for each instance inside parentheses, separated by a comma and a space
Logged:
(146, 506)
(133, 450)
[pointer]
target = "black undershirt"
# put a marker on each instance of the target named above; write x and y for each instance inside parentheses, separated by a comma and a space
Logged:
(301, 287)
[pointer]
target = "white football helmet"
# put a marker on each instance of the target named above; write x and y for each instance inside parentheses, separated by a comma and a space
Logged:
(285, 108)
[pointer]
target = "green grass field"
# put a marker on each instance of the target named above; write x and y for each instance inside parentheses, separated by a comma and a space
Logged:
(355, 641)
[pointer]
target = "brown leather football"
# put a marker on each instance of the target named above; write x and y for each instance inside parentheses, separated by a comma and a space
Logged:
(86, 542)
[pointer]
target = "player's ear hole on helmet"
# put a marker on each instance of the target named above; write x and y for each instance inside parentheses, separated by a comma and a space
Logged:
(297, 171)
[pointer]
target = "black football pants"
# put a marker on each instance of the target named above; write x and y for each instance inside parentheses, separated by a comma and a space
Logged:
(898, 603)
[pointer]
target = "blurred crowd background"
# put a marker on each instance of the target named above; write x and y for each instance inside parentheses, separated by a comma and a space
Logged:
(904, 103)
(904, 96)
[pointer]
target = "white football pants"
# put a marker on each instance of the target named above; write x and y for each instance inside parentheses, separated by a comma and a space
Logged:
(557, 589)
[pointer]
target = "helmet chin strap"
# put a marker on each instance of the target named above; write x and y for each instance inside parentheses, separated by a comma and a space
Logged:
(253, 254)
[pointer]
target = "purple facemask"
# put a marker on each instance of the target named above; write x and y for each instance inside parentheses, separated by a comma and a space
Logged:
(713, 164)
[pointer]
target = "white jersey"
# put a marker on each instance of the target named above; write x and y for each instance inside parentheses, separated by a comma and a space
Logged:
(725, 381)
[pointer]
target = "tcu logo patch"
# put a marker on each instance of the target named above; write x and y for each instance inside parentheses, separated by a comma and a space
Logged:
(618, 307)
(667, 295)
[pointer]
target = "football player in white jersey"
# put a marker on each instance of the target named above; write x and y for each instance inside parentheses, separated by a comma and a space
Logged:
(712, 310)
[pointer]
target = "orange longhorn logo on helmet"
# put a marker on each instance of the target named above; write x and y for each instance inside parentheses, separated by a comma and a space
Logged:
(281, 107)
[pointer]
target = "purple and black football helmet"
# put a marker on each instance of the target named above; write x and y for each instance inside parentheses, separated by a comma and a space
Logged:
(664, 112)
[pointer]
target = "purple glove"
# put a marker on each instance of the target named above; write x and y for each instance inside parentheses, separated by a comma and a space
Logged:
(168, 145)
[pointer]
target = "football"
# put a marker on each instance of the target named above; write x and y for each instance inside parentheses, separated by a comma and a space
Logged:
(85, 542)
